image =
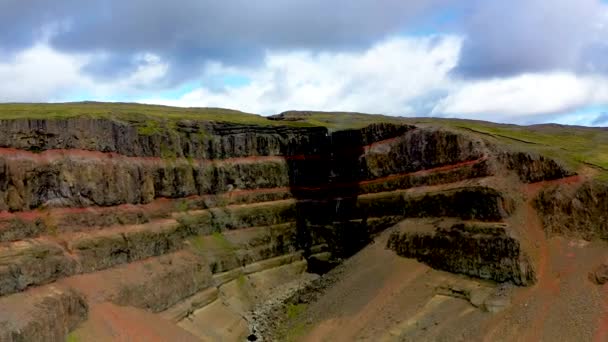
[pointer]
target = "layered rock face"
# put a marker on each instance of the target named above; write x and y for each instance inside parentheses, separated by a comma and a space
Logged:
(576, 210)
(480, 250)
(193, 220)
(84, 162)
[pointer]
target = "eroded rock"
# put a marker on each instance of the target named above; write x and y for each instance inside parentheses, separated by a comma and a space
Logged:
(599, 275)
(481, 250)
(43, 314)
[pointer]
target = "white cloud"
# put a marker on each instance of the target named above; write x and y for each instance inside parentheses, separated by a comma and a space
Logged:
(399, 76)
(524, 95)
(391, 77)
(40, 74)
(150, 68)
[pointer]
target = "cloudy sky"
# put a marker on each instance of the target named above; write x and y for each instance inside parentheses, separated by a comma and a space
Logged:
(519, 61)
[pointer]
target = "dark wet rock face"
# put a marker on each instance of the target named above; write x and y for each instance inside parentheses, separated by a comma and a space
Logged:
(420, 149)
(195, 139)
(172, 162)
(480, 250)
(166, 211)
(532, 167)
(577, 211)
(599, 275)
(331, 189)
(57, 312)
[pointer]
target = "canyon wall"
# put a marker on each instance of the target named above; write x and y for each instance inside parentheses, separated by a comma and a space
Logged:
(577, 210)
(181, 217)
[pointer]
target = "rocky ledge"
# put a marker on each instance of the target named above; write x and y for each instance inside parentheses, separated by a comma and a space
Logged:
(202, 222)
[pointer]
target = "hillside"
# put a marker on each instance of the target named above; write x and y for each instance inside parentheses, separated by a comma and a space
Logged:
(575, 145)
(127, 221)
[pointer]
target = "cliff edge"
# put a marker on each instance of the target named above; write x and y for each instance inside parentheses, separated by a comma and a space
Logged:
(123, 221)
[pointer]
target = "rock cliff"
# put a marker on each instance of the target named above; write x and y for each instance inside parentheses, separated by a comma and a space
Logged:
(199, 220)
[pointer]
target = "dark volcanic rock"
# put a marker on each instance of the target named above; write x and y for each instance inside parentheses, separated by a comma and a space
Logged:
(47, 314)
(599, 275)
(481, 250)
(577, 211)
(196, 139)
(533, 168)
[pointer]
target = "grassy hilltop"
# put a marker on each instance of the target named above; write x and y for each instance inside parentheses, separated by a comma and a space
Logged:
(574, 145)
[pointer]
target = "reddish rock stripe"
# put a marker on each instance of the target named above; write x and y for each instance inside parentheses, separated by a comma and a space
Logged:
(426, 171)
(601, 331)
(163, 202)
(365, 148)
(380, 143)
(576, 179)
(397, 176)
(158, 204)
(49, 156)
(34, 214)
(236, 193)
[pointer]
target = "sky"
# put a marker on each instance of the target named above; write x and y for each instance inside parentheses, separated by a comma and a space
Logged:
(518, 61)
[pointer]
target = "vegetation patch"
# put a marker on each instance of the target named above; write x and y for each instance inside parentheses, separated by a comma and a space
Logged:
(182, 206)
(575, 146)
(297, 331)
(197, 243)
(241, 280)
(295, 327)
(132, 112)
(50, 224)
(295, 310)
(150, 127)
(167, 153)
(72, 337)
(222, 242)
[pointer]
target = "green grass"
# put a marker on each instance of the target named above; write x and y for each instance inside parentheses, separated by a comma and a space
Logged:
(150, 128)
(241, 280)
(295, 327)
(182, 206)
(197, 243)
(161, 115)
(573, 145)
(190, 160)
(167, 153)
(200, 246)
(72, 337)
(51, 224)
(340, 120)
(131, 112)
(295, 310)
(222, 242)
(296, 332)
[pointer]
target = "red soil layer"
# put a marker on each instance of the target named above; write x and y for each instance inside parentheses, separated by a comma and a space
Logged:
(52, 155)
(562, 306)
(32, 215)
(547, 286)
(380, 143)
(560, 280)
(534, 188)
(109, 322)
(426, 171)
(601, 332)
(161, 204)
(384, 179)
